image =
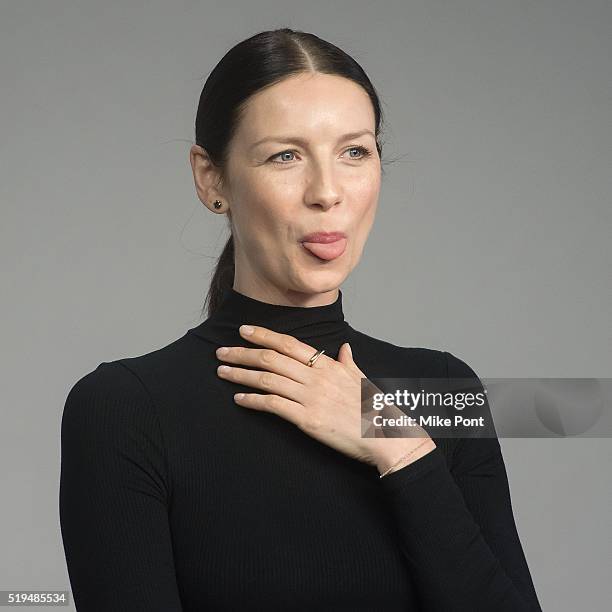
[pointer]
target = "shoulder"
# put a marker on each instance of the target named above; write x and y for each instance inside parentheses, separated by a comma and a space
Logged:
(382, 359)
(135, 395)
(411, 360)
(105, 379)
(122, 386)
(108, 394)
(135, 375)
(457, 367)
(111, 434)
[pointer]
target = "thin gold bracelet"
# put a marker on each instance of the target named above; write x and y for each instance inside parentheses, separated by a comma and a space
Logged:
(414, 450)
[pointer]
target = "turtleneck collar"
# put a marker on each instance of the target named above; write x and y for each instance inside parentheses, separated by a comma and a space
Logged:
(321, 326)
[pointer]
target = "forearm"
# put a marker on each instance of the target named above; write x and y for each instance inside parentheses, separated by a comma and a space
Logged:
(451, 562)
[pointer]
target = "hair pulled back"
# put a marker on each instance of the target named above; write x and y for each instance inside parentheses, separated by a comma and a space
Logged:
(253, 64)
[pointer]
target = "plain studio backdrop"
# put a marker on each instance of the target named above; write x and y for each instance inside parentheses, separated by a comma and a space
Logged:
(497, 208)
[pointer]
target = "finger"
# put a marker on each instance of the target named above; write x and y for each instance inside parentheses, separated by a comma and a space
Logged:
(286, 344)
(266, 381)
(275, 404)
(265, 359)
(345, 356)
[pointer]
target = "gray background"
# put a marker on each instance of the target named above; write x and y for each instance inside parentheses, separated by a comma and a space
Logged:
(497, 211)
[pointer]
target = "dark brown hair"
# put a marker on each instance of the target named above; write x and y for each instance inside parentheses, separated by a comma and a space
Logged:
(253, 64)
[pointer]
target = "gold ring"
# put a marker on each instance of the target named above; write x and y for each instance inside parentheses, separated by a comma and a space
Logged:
(314, 358)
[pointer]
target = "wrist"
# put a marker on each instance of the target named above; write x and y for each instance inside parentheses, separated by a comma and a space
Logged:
(390, 462)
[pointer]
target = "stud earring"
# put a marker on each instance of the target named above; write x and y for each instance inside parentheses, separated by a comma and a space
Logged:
(217, 204)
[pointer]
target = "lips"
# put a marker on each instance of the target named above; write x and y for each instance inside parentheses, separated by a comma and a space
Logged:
(325, 245)
(323, 237)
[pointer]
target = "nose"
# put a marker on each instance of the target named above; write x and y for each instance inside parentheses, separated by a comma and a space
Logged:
(323, 189)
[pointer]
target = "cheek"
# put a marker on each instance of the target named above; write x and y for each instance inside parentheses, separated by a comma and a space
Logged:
(365, 200)
(366, 185)
(366, 196)
(263, 221)
(265, 192)
(267, 183)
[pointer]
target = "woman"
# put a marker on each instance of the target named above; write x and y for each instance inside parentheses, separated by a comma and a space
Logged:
(179, 494)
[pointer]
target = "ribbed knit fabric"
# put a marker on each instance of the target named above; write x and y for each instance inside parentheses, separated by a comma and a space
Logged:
(173, 497)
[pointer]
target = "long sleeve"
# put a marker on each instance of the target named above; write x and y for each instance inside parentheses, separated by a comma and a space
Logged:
(456, 527)
(113, 496)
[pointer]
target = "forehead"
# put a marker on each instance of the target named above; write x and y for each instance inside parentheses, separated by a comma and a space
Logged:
(316, 104)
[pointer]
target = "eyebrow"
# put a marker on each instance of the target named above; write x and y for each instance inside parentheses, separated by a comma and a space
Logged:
(303, 142)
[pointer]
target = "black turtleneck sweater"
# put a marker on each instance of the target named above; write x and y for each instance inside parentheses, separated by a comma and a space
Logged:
(173, 497)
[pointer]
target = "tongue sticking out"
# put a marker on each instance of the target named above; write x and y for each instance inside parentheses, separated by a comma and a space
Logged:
(331, 250)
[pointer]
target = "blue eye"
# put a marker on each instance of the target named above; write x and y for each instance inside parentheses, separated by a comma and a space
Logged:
(365, 152)
(281, 153)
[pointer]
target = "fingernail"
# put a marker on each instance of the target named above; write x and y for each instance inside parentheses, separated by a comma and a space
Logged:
(247, 329)
(222, 350)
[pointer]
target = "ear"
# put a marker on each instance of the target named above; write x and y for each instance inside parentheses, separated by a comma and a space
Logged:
(206, 177)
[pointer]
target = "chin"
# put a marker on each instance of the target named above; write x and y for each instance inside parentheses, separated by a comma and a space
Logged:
(323, 281)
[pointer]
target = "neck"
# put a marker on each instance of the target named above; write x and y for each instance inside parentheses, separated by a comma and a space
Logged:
(285, 297)
(320, 326)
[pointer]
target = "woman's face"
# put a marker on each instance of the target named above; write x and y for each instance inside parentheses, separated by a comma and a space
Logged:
(318, 170)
